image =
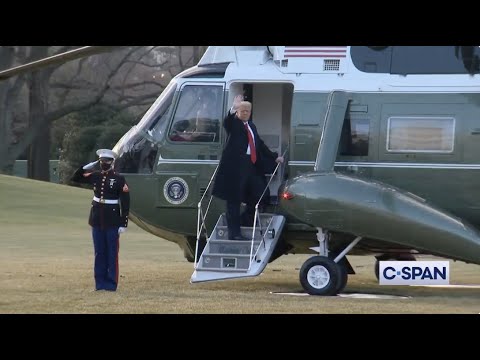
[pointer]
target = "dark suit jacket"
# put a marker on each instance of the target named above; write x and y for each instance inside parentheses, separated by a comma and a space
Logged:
(227, 181)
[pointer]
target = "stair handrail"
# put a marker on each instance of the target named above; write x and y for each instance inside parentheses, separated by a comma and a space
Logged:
(202, 216)
(257, 215)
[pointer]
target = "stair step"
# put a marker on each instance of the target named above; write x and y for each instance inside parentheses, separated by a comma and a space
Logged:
(223, 258)
(239, 248)
(264, 221)
(229, 255)
(224, 270)
(214, 261)
(221, 233)
(235, 242)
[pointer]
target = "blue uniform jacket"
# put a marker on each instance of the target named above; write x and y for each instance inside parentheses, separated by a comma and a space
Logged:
(106, 186)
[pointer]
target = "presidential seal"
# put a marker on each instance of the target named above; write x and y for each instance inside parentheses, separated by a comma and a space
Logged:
(175, 190)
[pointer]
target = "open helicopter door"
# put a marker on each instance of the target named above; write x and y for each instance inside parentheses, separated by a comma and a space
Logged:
(271, 113)
(223, 258)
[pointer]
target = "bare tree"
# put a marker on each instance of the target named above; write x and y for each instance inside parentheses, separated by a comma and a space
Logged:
(133, 76)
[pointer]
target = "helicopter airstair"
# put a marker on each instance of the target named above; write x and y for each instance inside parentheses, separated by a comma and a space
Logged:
(224, 258)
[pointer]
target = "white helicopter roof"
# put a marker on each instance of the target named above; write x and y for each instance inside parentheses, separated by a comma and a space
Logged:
(323, 68)
(288, 59)
(242, 55)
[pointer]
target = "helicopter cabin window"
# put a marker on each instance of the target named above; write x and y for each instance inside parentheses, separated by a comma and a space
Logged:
(421, 134)
(198, 114)
(354, 139)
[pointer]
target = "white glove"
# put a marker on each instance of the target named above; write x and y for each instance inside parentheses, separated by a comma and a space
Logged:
(122, 230)
(90, 165)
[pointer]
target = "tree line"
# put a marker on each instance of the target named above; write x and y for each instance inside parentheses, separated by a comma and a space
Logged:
(69, 110)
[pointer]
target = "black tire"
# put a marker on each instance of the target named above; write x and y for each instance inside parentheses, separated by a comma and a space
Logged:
(342, 271)
(319, 268)
(405, 257)
(342, 278)
(377, 270)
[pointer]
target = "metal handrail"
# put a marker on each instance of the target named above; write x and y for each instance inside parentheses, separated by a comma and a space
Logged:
(257, 215)
(203, 216)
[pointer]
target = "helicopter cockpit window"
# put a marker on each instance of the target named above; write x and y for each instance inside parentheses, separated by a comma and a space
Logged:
(137, 149)
(198, 114)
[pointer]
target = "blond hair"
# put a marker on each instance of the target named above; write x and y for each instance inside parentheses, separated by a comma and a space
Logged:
(246, 103)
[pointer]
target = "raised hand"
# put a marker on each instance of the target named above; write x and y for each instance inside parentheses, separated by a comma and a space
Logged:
(90, 165)
(236, 102)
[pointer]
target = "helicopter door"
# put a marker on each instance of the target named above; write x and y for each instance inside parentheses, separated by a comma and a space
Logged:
(195, 129)
(193, 144)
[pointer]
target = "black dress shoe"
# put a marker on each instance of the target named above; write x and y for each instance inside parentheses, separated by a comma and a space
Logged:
(240, 237)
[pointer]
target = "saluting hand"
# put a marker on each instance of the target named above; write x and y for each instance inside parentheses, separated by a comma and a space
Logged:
(90, 165)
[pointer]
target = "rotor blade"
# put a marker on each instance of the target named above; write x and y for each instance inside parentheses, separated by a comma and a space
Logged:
(55, 59)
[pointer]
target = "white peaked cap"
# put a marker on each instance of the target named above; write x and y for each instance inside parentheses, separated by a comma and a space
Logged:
(106, 153)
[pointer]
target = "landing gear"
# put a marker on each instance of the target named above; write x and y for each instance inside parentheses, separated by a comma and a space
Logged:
(326, 274)
(320, 276)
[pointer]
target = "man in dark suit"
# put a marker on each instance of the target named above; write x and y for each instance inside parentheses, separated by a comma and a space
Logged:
(108, 215)
(241, 173)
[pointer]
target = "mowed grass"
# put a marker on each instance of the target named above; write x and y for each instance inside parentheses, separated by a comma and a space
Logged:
(46, 267)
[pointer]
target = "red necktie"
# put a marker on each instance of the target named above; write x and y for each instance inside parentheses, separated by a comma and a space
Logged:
(253, 152)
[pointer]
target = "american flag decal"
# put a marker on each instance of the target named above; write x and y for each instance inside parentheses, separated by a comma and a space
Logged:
(315, 51)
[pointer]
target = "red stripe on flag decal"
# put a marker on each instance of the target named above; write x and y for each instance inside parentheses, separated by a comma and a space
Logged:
(316, 51)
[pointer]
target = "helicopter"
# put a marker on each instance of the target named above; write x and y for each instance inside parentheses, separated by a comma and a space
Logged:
(381, 158)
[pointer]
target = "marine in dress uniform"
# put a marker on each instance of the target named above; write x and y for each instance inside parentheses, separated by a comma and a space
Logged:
(108, 215)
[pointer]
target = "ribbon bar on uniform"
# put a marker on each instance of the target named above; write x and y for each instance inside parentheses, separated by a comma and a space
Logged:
(105, 201)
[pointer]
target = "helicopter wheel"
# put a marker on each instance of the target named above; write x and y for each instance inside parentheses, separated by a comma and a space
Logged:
(342, 271)
(320, 275)
(342, 278)
(376, 269)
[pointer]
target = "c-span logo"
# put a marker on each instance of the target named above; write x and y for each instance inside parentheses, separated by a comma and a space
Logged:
(414, 273)
(175, 190)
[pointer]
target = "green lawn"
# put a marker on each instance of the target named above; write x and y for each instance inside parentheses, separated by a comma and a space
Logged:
(46, 266)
